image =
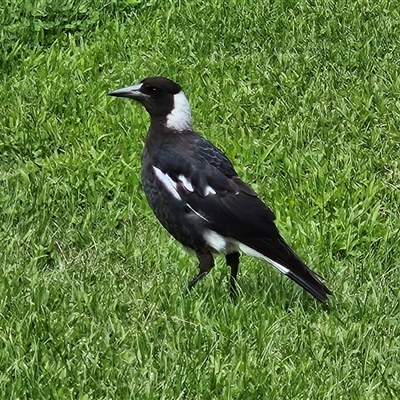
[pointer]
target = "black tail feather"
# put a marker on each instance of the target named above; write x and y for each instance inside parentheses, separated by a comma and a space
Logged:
(312, 285)
(278, 250)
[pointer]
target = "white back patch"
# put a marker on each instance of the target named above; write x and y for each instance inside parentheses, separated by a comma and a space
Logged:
(216, 241)
(180, 118)
(228, 245)
(167, 181)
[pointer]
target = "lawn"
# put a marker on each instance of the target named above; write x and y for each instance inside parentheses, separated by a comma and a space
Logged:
(303, 96)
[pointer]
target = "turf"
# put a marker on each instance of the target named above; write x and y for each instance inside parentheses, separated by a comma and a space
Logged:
(303, 96)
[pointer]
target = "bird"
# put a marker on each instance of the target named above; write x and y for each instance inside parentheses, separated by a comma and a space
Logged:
(198, 197)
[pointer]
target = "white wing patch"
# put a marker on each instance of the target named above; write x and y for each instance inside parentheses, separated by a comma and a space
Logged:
(186, 183)
(209, 190)
(168, 182)
(180, 117)
(198, 214)
(188, 186)
(172, 185)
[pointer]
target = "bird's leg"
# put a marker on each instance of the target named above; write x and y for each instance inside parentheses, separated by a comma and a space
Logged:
(233, 261)
(206, 263)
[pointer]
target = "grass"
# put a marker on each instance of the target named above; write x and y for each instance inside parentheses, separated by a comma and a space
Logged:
(304, 98)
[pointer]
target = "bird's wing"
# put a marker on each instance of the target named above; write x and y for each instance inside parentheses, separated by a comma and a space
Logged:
(205, 152)
(206, 181)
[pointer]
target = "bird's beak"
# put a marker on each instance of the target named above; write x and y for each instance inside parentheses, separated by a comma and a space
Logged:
(131, 92)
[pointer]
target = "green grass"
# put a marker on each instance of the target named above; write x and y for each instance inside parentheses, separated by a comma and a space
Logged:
(303, 96)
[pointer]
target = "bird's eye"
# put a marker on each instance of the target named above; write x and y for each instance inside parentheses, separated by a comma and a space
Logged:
(152, 90)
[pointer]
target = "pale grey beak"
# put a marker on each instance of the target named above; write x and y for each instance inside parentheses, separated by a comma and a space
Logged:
(131, 92)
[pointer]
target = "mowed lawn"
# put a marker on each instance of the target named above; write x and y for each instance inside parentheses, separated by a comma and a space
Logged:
(303, 96)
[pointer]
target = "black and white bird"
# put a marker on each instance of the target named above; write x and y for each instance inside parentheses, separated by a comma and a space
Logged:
(199, 198)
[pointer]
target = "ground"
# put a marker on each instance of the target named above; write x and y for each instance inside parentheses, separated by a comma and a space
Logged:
(303, 96)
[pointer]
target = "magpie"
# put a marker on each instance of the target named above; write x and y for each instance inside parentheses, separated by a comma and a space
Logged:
(196, 194)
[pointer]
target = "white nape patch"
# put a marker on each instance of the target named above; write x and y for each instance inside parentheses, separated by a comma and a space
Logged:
(186, 183)
(251, 252)
(167, 181)
(198, 214)
(209, 190)
(216, 241)
(180, 118)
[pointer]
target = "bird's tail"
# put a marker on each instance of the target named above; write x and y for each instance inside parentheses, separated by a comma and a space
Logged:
(278, 253)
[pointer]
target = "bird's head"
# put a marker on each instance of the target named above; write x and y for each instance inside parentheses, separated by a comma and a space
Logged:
(163, 100)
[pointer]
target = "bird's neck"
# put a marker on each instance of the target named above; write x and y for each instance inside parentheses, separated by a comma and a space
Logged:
(159, 136)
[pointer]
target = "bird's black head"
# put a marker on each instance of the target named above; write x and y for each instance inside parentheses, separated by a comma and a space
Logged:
(163, 100)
